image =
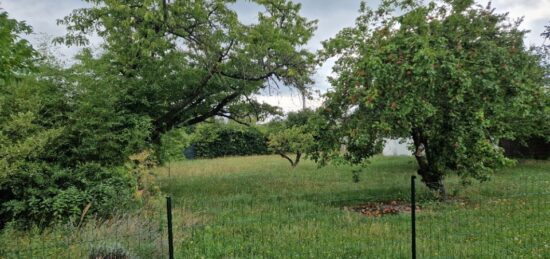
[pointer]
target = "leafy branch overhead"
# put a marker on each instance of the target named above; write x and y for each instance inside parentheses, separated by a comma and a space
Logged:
(183, 62)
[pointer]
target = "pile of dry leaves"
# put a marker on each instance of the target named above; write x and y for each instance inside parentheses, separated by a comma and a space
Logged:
(377, 209)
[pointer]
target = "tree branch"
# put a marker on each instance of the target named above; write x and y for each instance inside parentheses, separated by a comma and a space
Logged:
(248, 78)
(233, 119)
(283, 155)
(215, 111)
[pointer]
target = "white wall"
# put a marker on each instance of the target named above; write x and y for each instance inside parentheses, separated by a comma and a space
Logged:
(397, 147)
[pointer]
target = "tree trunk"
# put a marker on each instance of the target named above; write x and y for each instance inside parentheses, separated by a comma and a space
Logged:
(429, 175)
(296, 160)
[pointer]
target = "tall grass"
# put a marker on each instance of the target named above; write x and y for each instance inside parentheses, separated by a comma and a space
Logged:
(259, 207)
(139, 233)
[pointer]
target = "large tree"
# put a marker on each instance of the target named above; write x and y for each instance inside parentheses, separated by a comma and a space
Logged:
(182, 62)
(453, 76)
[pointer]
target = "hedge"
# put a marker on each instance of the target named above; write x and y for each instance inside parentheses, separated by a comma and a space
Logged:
(219, 139)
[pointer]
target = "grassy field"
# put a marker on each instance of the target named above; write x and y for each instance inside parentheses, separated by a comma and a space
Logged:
(258, 207)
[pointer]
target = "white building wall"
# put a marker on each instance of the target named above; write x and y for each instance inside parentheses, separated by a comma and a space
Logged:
(397, 147)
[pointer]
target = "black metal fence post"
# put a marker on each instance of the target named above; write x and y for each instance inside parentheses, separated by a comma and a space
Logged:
(170, 233)
(413, 217)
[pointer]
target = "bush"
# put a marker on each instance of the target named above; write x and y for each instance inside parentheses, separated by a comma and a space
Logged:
(64, 137)
(43, 195)
(218, 140)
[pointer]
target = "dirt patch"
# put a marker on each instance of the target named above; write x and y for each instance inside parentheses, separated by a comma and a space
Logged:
(378, 209)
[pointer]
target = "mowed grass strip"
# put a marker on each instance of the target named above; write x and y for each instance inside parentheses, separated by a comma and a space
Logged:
(260, 207)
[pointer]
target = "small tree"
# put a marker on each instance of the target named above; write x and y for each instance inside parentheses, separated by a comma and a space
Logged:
(453, 76)
(292, 136)
(291, 140)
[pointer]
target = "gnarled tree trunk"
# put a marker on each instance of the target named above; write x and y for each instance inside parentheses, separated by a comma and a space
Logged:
(429, 175)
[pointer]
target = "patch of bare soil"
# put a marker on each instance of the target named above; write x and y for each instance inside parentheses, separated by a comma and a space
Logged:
(378, 209)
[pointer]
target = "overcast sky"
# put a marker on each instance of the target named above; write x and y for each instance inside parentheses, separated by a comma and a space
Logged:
(332, 15)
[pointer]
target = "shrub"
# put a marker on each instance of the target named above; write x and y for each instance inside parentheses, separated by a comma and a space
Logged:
(217, 140)
(39, 194)
(64, 137)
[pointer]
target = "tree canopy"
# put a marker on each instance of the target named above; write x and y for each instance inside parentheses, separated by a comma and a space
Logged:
(453, 76)
(66, 133)
(182, 62)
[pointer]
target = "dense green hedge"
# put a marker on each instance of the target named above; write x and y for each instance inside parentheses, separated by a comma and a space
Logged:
(218, 140)
(534, 148)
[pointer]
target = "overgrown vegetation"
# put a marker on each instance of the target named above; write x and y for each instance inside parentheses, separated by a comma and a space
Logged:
(73, 139)
(81, 144)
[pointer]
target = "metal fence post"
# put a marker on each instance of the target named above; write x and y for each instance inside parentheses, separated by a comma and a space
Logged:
(170, 233)
(413, 217)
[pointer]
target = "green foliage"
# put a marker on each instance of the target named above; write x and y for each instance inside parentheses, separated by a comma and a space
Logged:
(290, 140)
(59, 153)
(173, 143)
(291, 135)
(184, 62)
(44, 195)
(455, 77)
(295, 139)
(97, 127)
(16, 53)
(298, 118)
(62, 141)
(217, 139)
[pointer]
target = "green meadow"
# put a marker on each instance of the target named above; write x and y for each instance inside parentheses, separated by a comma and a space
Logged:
(259, 207)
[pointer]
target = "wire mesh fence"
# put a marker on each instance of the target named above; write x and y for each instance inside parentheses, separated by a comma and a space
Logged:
(508, 217)
(296, 229)
(139, 234)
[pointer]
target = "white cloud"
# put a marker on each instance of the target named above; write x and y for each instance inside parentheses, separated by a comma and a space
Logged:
(536, 14)
(288, 102)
